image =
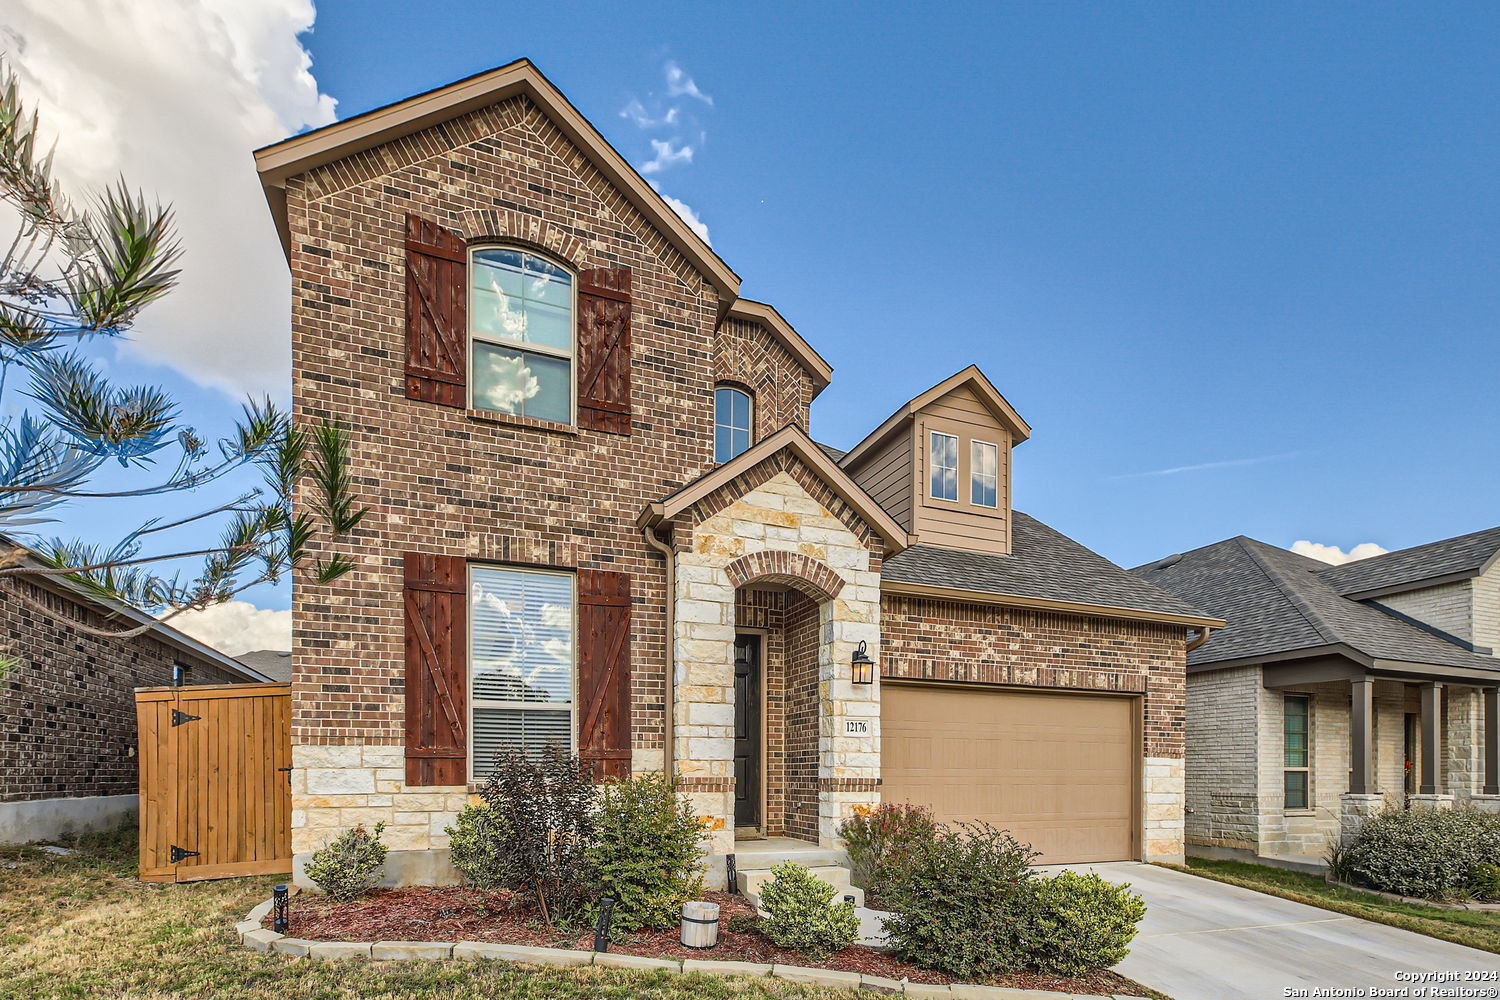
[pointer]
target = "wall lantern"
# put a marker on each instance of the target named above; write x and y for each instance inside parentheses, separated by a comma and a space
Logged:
(863, 666)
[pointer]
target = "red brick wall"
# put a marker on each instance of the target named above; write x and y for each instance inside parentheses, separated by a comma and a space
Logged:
(802, 710)
(745, 353)
(946, 640)
(68, 708)
(485, 486)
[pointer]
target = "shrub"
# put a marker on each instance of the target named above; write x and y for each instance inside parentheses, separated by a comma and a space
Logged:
(879, 842)
(1071, 924)
(349, 866)
(802, 914)
(954, 900)
(1430, 853)
(474, 844)
(1484, 883)
(535, 833)
(646, 853)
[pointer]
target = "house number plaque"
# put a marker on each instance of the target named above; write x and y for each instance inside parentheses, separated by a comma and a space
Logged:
(856, 727)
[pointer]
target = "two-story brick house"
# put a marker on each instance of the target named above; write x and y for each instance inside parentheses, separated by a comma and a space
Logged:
(597, 517)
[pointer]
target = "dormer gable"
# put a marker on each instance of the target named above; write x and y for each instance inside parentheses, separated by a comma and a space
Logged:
(940, 465)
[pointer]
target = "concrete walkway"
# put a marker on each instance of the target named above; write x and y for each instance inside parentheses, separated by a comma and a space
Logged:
(1205, 940)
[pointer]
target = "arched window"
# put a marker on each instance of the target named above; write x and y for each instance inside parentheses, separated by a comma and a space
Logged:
(733, 420)
(521, 334)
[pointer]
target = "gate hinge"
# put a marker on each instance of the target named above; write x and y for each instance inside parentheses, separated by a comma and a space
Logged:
(179, 717)
(178, 854)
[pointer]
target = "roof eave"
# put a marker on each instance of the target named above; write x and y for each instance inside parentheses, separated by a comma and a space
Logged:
(766, 315)
(992, 397)
(1409, 585)
(280, 161)
(1070, 607)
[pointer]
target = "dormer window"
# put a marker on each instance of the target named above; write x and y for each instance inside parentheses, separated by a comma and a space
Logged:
(984, 472)
(521, 331)
(944, 465)
(733, 412)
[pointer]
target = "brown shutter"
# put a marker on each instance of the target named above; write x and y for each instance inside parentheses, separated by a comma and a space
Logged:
(437, 332)
(437, 634)
(604, 671)
(604, 349)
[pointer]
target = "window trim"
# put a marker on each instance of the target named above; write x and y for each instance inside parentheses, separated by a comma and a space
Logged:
(471, 701)
(975, 444)
(957, 465)
(750, 399)
(524, 347)
(1306, 769)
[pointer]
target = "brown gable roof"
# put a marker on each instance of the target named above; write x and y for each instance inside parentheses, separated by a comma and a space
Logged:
(971, 377)
(283, 160)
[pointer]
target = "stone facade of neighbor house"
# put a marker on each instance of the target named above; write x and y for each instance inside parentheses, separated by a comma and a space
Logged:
(1306, 640)
(596, 515)
(68, 763)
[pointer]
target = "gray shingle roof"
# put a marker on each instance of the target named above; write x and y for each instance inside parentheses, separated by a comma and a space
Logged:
(1043, 563)
(274, 663)
(831, 451)
(1276, 601)
(1465, 554)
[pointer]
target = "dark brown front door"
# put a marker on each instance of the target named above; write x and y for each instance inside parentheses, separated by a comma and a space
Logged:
(747, 730)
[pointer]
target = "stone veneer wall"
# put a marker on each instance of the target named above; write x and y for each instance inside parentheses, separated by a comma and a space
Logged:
(953, 641)
(772, 509)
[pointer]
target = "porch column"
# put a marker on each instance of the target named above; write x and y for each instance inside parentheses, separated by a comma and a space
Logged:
(1361, 727)
(1491, 698)
(1431, 782)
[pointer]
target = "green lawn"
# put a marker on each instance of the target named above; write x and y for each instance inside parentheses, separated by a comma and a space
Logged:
(1475, 928)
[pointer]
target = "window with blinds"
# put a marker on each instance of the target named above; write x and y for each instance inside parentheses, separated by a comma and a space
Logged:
(521, 655)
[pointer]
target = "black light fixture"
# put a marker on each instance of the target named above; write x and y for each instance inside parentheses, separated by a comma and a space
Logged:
(280, 918)
(601, 929)
(862, 666)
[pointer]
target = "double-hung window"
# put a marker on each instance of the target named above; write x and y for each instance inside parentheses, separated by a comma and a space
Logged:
(733, 410)
(1296, 747)
(521, 330)
(943, 465)
(521, 661)
(984, 473)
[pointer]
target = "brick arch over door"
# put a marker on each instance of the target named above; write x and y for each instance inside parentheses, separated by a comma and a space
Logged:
(793, 569)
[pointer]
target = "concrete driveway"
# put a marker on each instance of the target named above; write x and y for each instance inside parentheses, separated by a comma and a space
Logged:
(1205, 940)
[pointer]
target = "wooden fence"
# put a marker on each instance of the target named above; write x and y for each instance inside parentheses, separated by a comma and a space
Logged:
(215, 781)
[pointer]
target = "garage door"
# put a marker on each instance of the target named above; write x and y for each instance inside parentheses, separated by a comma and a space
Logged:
(1056, 770)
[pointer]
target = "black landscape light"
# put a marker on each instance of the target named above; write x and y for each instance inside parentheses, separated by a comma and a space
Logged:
(280, 904)
(601, 929)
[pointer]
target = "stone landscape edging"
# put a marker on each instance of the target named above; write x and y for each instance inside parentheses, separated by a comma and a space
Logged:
(253, 935)
(1417, 900)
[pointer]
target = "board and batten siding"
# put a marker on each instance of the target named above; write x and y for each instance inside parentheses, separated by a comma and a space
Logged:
(960, 524)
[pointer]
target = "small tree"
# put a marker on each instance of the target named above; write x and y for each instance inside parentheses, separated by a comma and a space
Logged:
(72, 279)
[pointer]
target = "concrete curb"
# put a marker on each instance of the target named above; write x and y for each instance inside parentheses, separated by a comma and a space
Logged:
(254, 936)
(1416, 900)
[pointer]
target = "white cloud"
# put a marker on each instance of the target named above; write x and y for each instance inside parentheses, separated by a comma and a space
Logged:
(637, 113)
(668, 154)
(1334, 555)
(236, 627)
(174, 95)
(1201, 466)
(679, 84)
(689, 216)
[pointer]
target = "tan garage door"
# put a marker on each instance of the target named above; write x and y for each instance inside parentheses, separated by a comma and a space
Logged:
(1057, 770)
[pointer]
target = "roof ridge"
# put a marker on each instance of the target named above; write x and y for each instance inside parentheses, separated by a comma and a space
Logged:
(1278, 579)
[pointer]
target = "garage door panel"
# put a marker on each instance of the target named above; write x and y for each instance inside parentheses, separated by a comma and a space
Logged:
(1055, 769)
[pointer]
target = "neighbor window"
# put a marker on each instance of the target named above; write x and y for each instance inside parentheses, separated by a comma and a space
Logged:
(1295, 746)
(521, 326)
(944, 463)
(732, 422)
(984, 472)
(521, 625)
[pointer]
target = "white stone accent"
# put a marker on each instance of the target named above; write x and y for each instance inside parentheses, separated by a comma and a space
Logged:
(1164, 785)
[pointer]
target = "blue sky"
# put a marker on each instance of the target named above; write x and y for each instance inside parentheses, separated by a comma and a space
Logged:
(1234, 263)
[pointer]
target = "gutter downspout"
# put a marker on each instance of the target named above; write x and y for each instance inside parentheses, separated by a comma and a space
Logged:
(669, 748)
(1203, 635)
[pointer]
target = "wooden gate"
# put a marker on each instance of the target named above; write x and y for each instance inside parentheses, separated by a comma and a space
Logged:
(216, 796)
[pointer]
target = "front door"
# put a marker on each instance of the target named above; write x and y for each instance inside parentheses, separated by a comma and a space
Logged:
(747, 730)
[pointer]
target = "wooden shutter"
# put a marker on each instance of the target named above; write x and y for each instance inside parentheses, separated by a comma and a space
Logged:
(437, 639)
(604, 671)
(437, 326)
(604, 349)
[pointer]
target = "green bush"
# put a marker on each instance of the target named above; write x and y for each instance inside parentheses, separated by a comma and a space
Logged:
(954, 901)
(349, 866)
(879, 842)
(1484, 883)
(802, 914)
(1071, 924)
(1428, 853)
(646, 852)
(474, 844)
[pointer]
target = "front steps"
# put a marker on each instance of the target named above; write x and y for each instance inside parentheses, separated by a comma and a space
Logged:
(755, 858)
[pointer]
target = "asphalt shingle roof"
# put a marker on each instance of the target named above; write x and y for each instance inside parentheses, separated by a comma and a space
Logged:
(832, 452)
(1043, 563)
(1463, 554)
(274, 663)
(1276, 601)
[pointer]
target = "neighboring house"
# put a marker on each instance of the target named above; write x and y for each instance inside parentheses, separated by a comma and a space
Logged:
(597, 518)
(67, 707)
(276, 664)
(1336, 691)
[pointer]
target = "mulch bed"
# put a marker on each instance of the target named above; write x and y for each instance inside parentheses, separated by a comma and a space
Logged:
(464, 914)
